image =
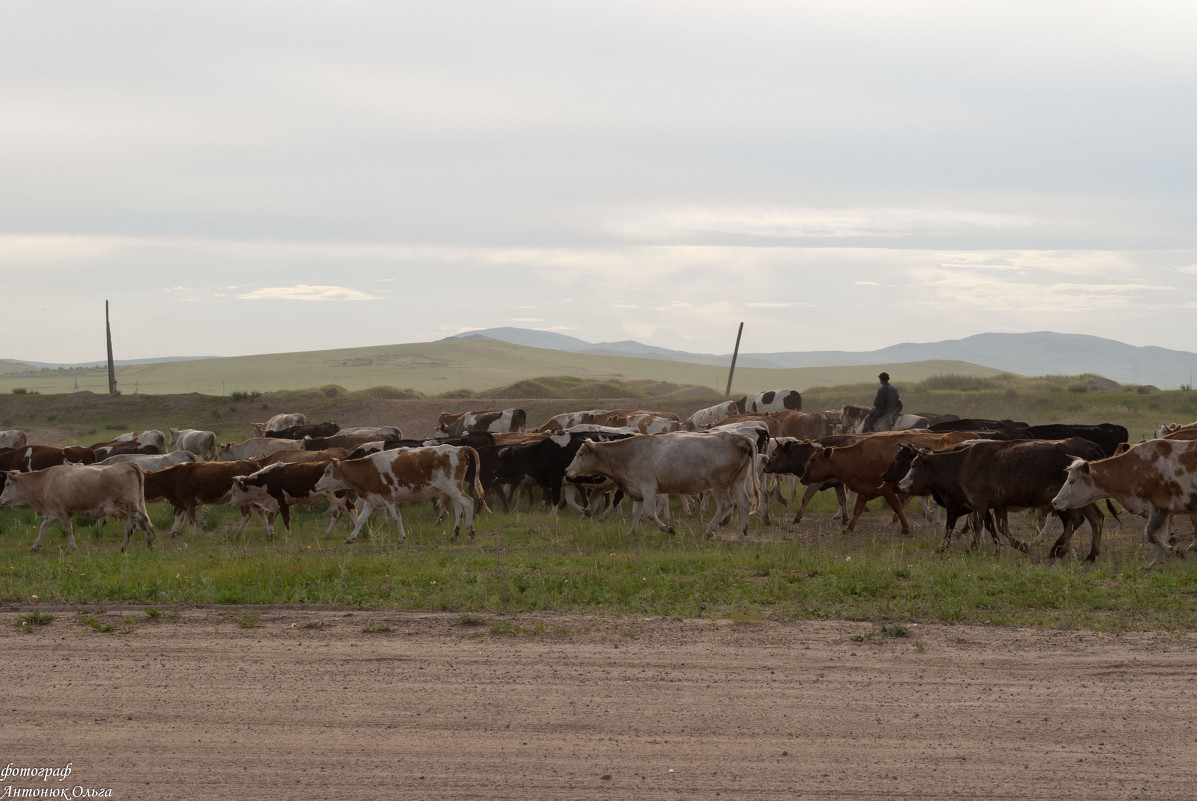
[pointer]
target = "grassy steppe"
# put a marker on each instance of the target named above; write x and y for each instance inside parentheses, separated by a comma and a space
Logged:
(528, 561)
(523, 561)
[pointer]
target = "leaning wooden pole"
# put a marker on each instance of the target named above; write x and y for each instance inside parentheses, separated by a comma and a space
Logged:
(111, 366)
(735, 355)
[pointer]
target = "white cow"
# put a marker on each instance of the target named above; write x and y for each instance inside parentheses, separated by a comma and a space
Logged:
(12, 438)
(151, 436)
(201, 443)
(703, 419)
(255, 448)
(150, 461)
(678, 462)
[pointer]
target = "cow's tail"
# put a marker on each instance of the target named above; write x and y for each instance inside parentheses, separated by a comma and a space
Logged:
(142, 517)
(479, 495)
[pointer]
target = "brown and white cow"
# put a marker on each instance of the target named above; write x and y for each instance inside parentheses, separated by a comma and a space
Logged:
(201, 443)
(279, 422)
(277, 487)
(39, 457)
(189, 487)
(390, 478)
(704, 419)
(678, 462)
(774, 400)
(59, 493)
(1154, 479)
(506, 421)
(255, 448)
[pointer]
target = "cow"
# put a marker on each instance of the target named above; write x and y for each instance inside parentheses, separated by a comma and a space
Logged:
(190, 486)
(653, 422)
(150, 461)
(790, 457)
(1014, 428)
(349, 441)
(122, 448)
(853, 417)
(257, 448)
(800, 425)
(387, 479)
(679, 462)
(1164, 429)
(201, 443)
(775, 400)
(296, 455)
(999, 475)
(493, 422)
(279, 422)
(378, 432)
(703, 419)
(607, 417)
(545, 461)
(1107, 436)
(150, 436)
(39, 457)
(325, 429)
(59, 493)
(860, 465)
(759, 418)
(1154, 479)
(12, 438)
(275, 488)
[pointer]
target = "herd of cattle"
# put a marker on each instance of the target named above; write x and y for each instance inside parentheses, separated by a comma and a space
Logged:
(733, 452)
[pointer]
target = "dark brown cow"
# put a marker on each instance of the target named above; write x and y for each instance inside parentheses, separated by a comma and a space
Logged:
(1000, 475)
(39, 457)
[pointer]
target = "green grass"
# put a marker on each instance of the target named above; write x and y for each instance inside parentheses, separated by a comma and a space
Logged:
(525, 562)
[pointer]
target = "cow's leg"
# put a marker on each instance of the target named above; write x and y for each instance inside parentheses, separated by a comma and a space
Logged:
(1004, 525)
(178, 522)
(650, 503)
(811, 492)
(1155, 522)
(857, 511)
(393, 508)
(896, 504)
(363, 516)
(70, 533)
(723, 510)
(41, 532)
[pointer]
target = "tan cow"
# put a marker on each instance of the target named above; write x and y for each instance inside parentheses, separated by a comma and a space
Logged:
(201, 443)
(59, 493)
(255, 448)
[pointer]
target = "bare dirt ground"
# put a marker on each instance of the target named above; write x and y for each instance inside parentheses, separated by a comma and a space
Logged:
(347, 704)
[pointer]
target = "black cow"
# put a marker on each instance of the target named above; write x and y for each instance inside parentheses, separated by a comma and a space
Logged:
(1106, 436)
(325, 429)
(545, 461)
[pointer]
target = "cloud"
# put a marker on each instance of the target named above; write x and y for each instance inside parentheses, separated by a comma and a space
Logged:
(307, 292)
(791, 305)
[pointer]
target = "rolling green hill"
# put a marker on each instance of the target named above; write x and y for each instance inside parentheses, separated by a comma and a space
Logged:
(436, 368)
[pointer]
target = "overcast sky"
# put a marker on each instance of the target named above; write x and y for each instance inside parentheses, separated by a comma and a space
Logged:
(257, 177)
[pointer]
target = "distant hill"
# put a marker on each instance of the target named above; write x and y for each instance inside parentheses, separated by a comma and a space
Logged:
(1039, 353)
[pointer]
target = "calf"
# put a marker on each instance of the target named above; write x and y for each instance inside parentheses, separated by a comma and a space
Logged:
(275, 488)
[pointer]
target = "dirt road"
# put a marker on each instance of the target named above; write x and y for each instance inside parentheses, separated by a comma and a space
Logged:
(336, 704)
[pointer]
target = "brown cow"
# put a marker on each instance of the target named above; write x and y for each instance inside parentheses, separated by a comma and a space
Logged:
(190, 486)
(861, 464)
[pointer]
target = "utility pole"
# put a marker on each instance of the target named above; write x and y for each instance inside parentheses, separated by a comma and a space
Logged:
(111, 366)
(735, 355)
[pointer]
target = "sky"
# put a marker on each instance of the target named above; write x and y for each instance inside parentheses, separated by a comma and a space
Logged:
(263, 176)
